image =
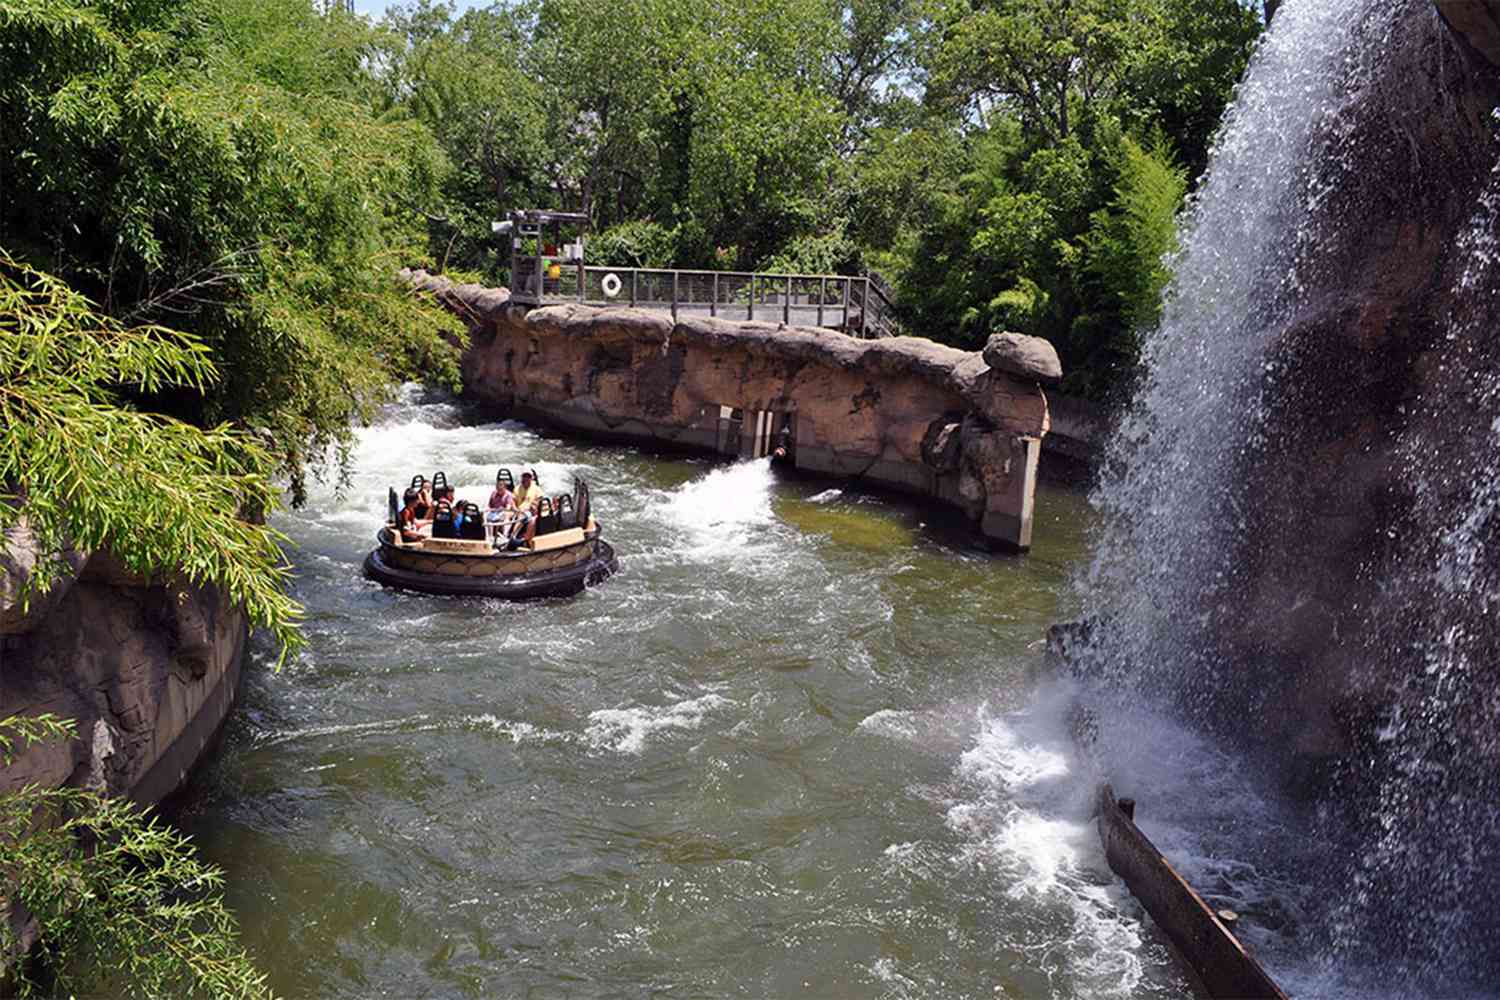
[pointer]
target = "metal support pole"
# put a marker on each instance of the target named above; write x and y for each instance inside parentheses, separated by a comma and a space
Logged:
(822, 294)
(786, 303)
(633, 273)
(751, 314)
(674, 296)
(580, 281)
(846, 283)
(713, 305)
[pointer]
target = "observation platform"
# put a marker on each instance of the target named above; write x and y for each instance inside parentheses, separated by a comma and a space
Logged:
(549, 269)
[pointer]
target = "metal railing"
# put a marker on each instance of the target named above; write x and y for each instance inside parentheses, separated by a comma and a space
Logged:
(854, 305)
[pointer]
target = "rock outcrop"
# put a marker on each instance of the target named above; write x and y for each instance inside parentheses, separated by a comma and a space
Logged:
(1028, 357)
(1477, 21)
(903, 412)
(146, 669)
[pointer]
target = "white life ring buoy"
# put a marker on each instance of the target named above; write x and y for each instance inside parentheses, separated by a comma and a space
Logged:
(611, 285)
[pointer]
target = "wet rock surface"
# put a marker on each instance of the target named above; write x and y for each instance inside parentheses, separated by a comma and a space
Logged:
(1477, 21)
(145, 669)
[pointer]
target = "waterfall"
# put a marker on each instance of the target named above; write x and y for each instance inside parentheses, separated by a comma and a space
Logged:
(1300, 553)
(1176, 519)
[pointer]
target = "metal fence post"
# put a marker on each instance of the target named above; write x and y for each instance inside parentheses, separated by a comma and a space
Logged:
(822, 294)
(845, 324)
(674, 296)
(786, 304)
(751, 314)
(632, 287)
(713, 305)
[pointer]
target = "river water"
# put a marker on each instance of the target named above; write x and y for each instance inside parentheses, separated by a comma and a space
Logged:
(795, 748)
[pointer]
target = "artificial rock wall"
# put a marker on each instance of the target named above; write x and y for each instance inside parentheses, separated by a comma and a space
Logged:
(147, 670)
(903, 412)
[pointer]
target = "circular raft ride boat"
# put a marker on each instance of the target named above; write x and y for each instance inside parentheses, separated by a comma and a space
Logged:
(565, 555)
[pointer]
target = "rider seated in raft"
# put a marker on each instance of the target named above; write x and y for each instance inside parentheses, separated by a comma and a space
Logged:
(528, 499)
(423, 488)
(502, 508)
(409, 522)
(501, 498)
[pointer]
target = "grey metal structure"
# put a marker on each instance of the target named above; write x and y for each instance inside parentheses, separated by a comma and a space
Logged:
(547, 268)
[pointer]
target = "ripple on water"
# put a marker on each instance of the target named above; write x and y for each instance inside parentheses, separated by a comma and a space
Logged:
(688, 780)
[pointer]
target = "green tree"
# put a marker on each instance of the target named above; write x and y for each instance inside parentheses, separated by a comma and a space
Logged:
(87, 469)
(464, 79)
(1041, 61)
(1125, 267)
(120, 900)
(216, 165)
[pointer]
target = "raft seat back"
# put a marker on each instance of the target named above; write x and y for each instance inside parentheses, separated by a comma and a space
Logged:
(567, 515)
(439, 482)
(416, 481)
(393, 512)
(442, 521)
(557, 540)
(546, 517)
(581, 501)
(473, 526)
(504, 476)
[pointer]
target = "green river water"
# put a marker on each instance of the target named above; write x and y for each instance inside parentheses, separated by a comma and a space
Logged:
(795, 748)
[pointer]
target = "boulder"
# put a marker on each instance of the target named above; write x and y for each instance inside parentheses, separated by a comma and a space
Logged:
(1023, 356)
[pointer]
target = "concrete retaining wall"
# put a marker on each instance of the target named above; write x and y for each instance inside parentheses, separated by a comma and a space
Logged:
(905, 413)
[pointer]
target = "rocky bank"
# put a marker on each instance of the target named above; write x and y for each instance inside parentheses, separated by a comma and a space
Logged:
(904, 412)
(147, 670)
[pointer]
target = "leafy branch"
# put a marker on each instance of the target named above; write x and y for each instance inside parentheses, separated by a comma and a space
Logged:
(114, 892)
(88, 471)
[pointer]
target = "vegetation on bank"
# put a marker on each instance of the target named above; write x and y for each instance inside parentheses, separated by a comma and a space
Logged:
(200, 217)
(217, 167)
(122, 900)
(1006, 164)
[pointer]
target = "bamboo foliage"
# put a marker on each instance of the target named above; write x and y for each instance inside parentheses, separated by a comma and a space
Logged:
(121, 900)
(88, 470)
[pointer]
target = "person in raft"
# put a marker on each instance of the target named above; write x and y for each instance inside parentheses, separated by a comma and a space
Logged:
(528, 500)
(502, 510)
(425, 502)
(409, 522)
(502, 498)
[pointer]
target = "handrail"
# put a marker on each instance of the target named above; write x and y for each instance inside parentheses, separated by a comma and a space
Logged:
(855, 305)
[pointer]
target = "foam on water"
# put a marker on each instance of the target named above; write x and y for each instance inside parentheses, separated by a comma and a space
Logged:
(725, 512)
(891, 723)
(1026, 820)
(521, 732)
(625, 730)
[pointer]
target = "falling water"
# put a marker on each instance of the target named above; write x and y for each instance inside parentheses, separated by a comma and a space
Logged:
(1381, 877)
(1175, 514)
(1423, 887)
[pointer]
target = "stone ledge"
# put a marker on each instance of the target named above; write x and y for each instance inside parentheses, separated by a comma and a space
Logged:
(903, 412)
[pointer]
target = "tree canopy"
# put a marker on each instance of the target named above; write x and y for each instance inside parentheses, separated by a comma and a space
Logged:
(217, 166)
(995, 159)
